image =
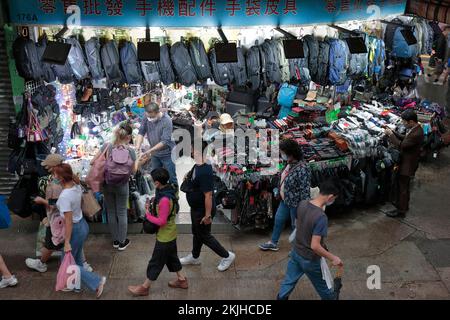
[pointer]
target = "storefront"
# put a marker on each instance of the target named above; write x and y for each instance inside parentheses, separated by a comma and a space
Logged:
(334, 98)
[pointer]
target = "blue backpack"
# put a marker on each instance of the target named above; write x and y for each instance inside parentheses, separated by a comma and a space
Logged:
(130, 64)
(338, 62)
(286, 95)
(396, 43)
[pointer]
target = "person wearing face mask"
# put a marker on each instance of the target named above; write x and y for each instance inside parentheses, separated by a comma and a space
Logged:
(157, 126)
(226, 124)
(295, 183)
(410, 146)
(309, 246)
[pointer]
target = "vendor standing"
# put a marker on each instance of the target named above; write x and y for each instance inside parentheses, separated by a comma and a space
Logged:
(157, 126)
(410, 146)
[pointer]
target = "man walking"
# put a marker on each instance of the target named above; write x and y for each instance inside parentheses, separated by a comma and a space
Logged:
(158, 128)
(410, 146)
(309, 246)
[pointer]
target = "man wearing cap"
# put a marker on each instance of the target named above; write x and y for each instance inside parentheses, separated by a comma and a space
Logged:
(52, 192)
(158, 129)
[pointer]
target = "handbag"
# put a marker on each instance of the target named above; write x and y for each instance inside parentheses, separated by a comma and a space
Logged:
(19, 200)
(89, 204)
(96, 176)
(5, 218)
(188, 185)
(69, 276)
(34, 131)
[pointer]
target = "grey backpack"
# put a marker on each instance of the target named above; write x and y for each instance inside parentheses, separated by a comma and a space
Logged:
(63, 72)
(47, 71)
(111, 62)
(76, 60)
(239, 69)
(253, 64)
(323, 60)
(298, 68)
(222, 72)
(284, 63)
(359, 62)
(130, 64)
(165, 65)
(92, 50)
(182, 64)
(272, 62)
(313, 55)
(199, 58)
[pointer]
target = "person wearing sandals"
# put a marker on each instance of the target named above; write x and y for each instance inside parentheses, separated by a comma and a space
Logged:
(76, 227)
(294, 187)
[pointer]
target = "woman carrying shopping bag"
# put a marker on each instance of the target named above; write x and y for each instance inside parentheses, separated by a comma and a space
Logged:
(76, 227)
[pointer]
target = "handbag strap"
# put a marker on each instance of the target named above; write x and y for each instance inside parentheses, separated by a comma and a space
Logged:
(290, 171)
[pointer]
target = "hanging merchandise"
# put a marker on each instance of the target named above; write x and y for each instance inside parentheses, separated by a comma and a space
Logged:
(199, 58)
(323, 61)
(239, 69)
(253, 63)
(76, 59)
(313, 56)
(401, 39)
(272, 67)
(377, 57)
(284, 63)
(92, 49)
(222, 73)
(358, 64)
(27, 59)
(338, 61)
(182, 64)
(111, 62)
(130, 64)
(298, 68)
(47, 71)
(165, 64)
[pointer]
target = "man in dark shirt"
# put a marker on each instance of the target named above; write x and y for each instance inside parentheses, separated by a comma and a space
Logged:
(202, 205)
(309, 247)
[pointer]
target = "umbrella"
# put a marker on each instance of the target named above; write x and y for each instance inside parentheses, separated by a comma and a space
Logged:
(338, 281)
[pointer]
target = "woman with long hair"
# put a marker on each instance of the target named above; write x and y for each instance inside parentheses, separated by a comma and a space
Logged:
(76, 227)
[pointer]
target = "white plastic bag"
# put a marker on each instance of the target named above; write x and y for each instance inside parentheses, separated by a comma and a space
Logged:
(326, 274)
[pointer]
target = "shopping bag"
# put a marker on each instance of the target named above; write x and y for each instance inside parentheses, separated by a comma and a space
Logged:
(96, 176)
(89, 204)
(5, 218)
(69, 275)
(326, 274)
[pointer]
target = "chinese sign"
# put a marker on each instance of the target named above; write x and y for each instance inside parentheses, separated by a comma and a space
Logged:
(199, 13)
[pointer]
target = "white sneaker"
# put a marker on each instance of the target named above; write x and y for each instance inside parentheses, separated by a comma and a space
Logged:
(11, 282)
(189, 259)
(36, 264)
(87, 267)
(225, 263)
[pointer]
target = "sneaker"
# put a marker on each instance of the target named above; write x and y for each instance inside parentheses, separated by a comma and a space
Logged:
(179, 284)
(124, 245)
(101, 287)
(138, 291)
(36, 264)
(10, 282)
(87, 267)
(226, 262)
(268, 246)
(190, 260)
(116, 244)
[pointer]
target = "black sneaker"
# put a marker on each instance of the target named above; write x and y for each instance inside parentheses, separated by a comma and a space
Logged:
(116, 244)
(124, 245)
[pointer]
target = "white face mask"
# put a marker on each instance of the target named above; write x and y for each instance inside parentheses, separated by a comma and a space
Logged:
(329, 203)
(284, 157)
(151, 119)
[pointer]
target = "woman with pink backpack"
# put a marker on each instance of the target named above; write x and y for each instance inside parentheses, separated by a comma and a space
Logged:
(121, 163)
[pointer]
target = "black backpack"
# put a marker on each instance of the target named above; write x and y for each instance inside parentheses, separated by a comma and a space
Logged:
(253, 63)
(239, 69)
(150, 227)
(76, 60)
(313, 54)
(130, 64)
(323, 61)
(222, 72)
(199, 58)
(92, 49)
(165, 65)
(28, 62)
(182, 63)
(298, 68)
(272, 61)
(47, 71)
(111, 61)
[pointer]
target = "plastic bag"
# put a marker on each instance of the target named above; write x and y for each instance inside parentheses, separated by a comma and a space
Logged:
(69, 276)
(326, 274)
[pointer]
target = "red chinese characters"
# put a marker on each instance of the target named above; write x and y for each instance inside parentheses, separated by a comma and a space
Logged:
(271, 7)
(358, 5)
(233, 6)
(290, 7)
(166, 8)
(345, 5)
(68, 3)
(48, 6)
(253, 7)
(208, 6)
(330, 6)
(143, 6)
(186, 8)
(92, 7)
(114, 7)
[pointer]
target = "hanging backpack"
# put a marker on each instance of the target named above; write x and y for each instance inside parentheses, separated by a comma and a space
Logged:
(298, 68)
(92, 50)
(200, 59)
(272, 61)
(322, 63)
(313, 55)
(284, 63)
(396, 43)
(253, 64)
(182, 64)
(63, 72)
(338, 61)
(165, 65)
(377, 56)
(358, 62)
(429, 37)
(130, 64)
(47, 71)
(118, 166)
(76, 60)
(27, 59)
(239, 69)
(111, 61)
(222, 73)
(151, 71)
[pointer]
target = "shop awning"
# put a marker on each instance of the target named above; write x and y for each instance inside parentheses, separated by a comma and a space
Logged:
(436, 10)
